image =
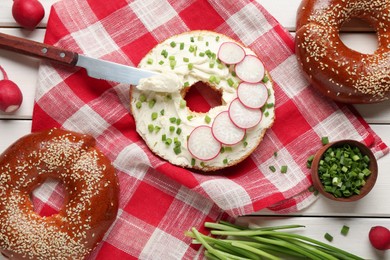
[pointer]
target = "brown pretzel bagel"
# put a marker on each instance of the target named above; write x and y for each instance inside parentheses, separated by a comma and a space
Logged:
(337, 71)
(91, 196)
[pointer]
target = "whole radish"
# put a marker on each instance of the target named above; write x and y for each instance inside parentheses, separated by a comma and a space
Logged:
(379, 237)
(28, 13)
(10, 95)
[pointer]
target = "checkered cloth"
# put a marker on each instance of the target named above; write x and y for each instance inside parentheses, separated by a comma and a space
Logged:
(159, 201)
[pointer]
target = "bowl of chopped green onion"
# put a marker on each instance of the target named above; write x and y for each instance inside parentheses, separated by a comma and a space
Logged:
(344, 170)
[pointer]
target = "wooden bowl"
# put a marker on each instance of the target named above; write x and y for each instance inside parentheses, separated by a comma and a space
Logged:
(370, 181)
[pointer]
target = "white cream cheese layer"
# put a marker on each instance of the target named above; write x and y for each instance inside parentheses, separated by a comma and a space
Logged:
(166, 82)
(162, 118)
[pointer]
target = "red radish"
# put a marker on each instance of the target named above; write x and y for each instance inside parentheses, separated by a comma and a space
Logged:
(243, 116)
(379, 237)
(225, 131)
(28, 13)
(231, 53)
(202, 144)
(252, 95)
(250, 69)
(10, 95)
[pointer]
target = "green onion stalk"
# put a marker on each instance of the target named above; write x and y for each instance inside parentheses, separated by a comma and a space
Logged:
(231, 241)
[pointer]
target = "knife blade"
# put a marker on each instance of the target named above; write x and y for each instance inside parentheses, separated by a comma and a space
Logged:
(111, 71)
(96, 68)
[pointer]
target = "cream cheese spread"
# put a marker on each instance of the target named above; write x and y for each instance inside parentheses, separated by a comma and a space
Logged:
(162, 118)
(166, 82)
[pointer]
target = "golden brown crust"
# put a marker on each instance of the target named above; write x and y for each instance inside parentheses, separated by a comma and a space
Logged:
(90, 205)
(337, 71)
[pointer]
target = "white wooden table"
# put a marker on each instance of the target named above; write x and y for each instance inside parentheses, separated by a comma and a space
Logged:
(323, 216)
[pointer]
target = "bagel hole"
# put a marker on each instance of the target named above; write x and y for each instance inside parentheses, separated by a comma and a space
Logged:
(48, 198)
(201, 97)
(362, 38)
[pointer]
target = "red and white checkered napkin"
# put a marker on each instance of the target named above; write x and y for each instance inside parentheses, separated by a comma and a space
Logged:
(159, 201)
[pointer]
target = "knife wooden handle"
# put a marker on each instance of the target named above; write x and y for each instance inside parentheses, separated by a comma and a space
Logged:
(38, 50)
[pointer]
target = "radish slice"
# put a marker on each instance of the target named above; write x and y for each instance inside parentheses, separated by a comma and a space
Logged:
(250, 69)
(225, 131)
(231, 53)
(252, 95)
(243, 116)
(202, 144)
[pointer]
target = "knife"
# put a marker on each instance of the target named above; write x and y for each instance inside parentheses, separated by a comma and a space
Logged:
(96, 68)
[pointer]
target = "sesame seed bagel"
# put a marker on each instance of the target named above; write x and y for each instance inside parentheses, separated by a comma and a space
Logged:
(168, 125)
(91, 196)
(339, 72)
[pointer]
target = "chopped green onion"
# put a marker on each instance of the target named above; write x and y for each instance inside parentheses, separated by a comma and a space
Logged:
(212, 78)
(154, 116)
(207, 119)
(150, 128)
(150, 61)
(138, 104)
(168, 141)
(142, 98)
(328, 237)
(283, 169)
(185, 59)
(152, 102)
(344, 230)
(228, 149)
(309, 161)
(182, 46)
(183, 103)
(272, 168)
(172, 64)
(265, 79)
(172, 119)
(173, 44)
(230, 82)
(177, 150)
(164, 53)
(324, 140)
(343, 171)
